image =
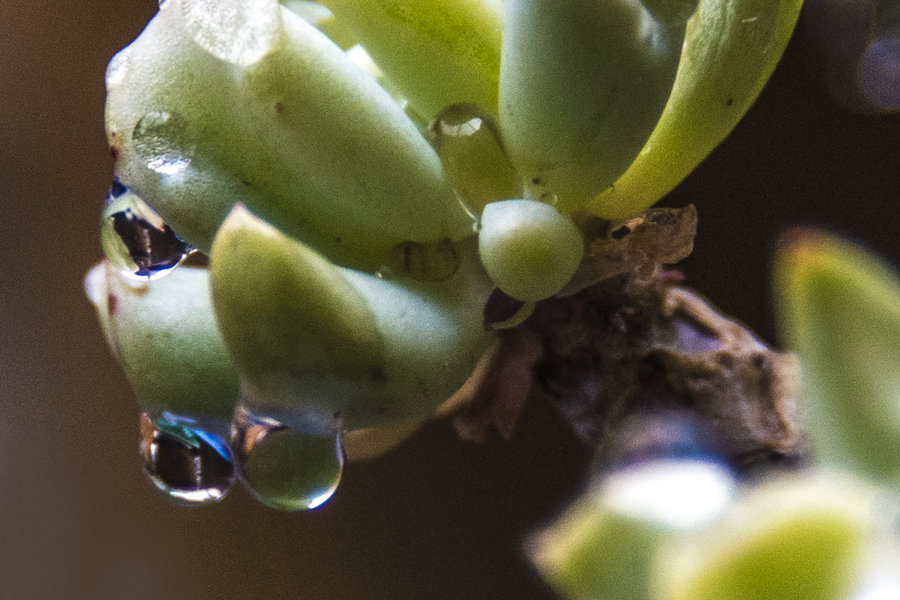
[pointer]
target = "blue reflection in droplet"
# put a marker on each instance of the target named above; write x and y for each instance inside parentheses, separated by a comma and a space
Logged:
(192, 466)
(135, 239)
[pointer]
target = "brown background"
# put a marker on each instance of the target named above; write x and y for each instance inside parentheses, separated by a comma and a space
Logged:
(438, 519)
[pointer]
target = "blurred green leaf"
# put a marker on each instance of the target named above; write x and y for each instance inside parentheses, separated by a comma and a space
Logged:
(593, 553)
(790, 539)
(839, 308)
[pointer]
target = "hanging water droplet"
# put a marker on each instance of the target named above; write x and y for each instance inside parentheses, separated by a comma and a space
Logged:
(431, 261)
(135, 239)
(162, 139)
(190, 465)
(283, 468)
(468, 142)
(237, 31)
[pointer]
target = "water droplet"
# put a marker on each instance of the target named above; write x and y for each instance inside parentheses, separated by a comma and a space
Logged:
(237, 31)
(431, 261)
(162, 140)
(284, 468)
(117, 68)
(190, 465)
(135, 239)
(468, 142)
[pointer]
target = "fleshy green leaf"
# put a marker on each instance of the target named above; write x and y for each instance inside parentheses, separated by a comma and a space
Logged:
(436, 52)
(594, 552)
(606, 543)
(320, 342)
(840, 310)
(731, 47)
(165, 337)
(205, 110)
(582, 85)
(789, 539)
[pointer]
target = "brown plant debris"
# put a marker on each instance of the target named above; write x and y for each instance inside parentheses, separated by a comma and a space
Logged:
(624, 344)
(636, 246)
(492, 399)
(624, 349)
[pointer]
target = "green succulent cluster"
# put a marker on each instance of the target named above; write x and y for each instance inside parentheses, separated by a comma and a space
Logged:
(363, 173)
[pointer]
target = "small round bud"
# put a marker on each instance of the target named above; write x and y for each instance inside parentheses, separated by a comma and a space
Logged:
(528, 248)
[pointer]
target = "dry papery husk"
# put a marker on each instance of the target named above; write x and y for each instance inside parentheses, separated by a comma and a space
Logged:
(624, 344)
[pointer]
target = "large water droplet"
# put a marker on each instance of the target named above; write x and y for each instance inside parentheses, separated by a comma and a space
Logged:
(468, 142)
(236, 31)
(190, 465)
(135, 239)
(431, 261)
(283, 468)
(162, 140)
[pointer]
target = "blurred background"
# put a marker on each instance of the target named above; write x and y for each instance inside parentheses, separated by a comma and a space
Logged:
(436, 519)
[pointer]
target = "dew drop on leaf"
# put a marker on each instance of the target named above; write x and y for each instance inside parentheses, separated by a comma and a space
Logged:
(236, 31)
(430, 261)
(162, 140)
(191, 466)
(467, 140)
(135, 239)
(284, 468)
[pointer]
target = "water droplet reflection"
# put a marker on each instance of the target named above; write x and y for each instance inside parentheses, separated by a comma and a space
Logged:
(191, 466)
(467, 140)
(162, 140)
(432, 261)
(286, 469)
(237, 31)
(135, 239)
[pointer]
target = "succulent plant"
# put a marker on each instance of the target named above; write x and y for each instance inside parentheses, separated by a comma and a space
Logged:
(350, 181)
(331, 222)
